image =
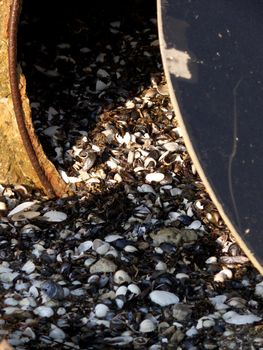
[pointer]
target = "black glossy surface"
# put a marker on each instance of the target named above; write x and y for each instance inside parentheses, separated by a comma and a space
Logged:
(222, 104)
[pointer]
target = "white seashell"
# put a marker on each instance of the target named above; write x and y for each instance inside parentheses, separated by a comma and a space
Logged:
(100, 247)
(115, 24)
(61, 311)
(119, 342)
(78, 292)
(112, 252)
(34, 291)
(219, 302)
(223, 275)
(129, 104)
(134, 289)
(122, 290)
(102, 73)
(84, 246)
(233, 317)
(3, 206)
(237, 302)
(26, 302)
(56, 333)
(44, 311)
(51, 130)
(181, 275)
(211, 260)
(147, 326)
(8, 277)
(21, 207)
(55, 216)
(150, 162)
(89, 262)
(154, 177)
(120, 303)
(130, 158)
(121, 276)
(130, 249)
(100, 85)
(171, 146)
(176, 192)
(195, 225)
(29, 333)
(28, 267)
(161, 266)
(163, 298)
(145, 189)
(10, 302)
(205, 322)
(11, 310)
(117, 178)
(101, 310)
(173, 215)
(25, 215)
(112, 238)
(191, 332)
(259, 290)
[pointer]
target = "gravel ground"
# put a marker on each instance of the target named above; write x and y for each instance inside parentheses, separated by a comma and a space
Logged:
(139, 258)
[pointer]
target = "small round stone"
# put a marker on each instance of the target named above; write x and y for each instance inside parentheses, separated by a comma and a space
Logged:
(101, 310)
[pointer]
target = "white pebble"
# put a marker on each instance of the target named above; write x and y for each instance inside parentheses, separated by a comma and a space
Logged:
(121, 277)
(163, 298)
(44, 311)
(101, 310)
(103, 265)
(28, 267)
(154, 177)
(147, 326)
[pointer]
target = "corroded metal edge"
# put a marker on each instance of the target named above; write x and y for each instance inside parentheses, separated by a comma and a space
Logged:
(22, 160)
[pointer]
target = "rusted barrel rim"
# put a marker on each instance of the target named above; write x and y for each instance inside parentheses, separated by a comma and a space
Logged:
(45, 180)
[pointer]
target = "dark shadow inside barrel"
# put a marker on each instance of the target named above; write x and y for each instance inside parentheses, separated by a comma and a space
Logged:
(82, 59)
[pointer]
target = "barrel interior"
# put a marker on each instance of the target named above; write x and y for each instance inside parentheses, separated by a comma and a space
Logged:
(81, 60)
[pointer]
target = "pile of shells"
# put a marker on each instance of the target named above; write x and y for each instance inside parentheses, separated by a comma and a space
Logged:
(140, 258)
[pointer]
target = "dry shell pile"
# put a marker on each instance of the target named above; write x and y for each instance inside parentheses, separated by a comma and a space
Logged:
(140, 258)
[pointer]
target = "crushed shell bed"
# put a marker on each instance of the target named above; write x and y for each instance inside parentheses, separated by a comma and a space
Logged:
(140, 258)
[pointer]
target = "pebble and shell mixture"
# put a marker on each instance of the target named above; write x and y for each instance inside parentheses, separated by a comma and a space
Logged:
(139, 258)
